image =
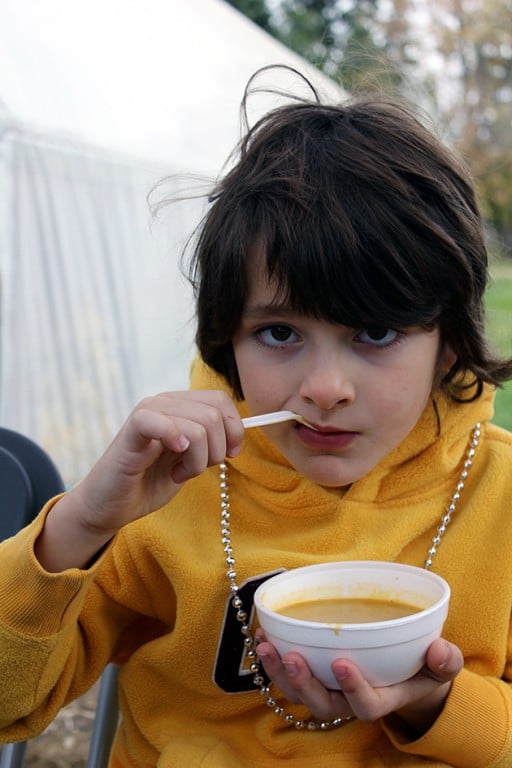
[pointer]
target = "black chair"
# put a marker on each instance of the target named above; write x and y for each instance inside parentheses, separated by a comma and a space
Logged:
(16, 495)
(28, 478)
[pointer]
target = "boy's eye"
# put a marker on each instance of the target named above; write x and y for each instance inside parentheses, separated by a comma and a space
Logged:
(275, 335)
(378, 336)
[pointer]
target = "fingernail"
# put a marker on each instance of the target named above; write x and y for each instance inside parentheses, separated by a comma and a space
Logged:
(341, 673)
(261, 654)
(291, 668)
(446, 656)
(233, 452)
(183, 443)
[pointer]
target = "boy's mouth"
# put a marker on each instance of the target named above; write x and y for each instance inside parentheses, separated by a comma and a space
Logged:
(324, 436)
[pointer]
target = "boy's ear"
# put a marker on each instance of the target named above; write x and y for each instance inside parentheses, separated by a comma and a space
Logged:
(447, 358)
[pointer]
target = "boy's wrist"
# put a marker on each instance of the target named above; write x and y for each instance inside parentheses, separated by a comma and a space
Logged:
(65, 542)
(421, 716)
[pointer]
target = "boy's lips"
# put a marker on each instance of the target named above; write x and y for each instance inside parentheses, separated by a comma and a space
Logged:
(324, 436)
(326, 428)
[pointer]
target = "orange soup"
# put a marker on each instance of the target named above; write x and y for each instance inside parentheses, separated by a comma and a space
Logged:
(351, 610)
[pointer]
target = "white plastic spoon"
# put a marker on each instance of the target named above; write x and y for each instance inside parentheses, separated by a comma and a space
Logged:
(263, 419)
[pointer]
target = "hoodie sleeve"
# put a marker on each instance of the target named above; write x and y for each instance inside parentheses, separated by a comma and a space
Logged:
(474, 729)
(49, 651)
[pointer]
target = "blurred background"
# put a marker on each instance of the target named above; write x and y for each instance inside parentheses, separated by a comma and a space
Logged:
(100, 101)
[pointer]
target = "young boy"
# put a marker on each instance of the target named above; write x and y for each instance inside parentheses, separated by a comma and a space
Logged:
(340, 274)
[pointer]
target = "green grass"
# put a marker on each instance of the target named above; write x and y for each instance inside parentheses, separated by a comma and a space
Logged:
(499, 328)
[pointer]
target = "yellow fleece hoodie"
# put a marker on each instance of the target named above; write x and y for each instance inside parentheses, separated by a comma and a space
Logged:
(157, 602)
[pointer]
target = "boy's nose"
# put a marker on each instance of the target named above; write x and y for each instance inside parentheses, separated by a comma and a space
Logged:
(326, 383)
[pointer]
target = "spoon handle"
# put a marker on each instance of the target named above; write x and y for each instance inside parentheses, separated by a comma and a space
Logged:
(263, 419)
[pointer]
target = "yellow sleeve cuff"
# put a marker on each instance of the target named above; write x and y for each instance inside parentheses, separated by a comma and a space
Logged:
(34, 602)
(474, 729)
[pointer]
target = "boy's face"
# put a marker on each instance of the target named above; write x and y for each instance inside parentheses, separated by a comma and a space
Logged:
(364, 389)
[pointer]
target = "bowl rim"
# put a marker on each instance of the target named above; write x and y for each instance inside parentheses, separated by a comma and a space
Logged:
(355, 626)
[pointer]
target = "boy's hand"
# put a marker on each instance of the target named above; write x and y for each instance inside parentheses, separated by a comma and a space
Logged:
(166, 440)
(418, 701)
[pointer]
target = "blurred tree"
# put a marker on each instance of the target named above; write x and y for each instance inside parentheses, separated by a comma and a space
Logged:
(453, 56)
(338, 37)
(474, 99)
(257, 11)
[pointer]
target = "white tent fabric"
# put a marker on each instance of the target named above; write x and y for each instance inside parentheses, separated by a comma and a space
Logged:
(158, 79)
(101, 100)
(94, 313)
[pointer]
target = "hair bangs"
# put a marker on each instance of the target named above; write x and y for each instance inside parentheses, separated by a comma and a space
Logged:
(330, 265)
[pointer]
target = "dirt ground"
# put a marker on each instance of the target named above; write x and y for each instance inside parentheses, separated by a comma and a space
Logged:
(65, 742)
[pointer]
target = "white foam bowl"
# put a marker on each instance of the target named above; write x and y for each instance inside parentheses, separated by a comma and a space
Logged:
(386, 652)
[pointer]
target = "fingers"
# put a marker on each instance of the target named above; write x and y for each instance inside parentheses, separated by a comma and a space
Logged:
(367, 703)
(148, 425)
(419, 699)
(200, 428)
(294, 679)
(443, 662)
(214, 412)
(274, 668)
(212, 430)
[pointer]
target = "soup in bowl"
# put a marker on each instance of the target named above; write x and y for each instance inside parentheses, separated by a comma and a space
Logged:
(382, 616)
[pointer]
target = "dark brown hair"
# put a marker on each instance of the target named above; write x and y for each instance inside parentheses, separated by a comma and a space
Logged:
(366, 219)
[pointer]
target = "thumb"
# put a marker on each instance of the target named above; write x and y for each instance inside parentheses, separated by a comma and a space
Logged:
(444, 661)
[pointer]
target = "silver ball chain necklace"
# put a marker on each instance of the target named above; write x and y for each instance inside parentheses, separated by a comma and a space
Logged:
(243, 618)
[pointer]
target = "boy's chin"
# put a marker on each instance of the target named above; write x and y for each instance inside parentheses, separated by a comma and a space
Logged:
(328, 472)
